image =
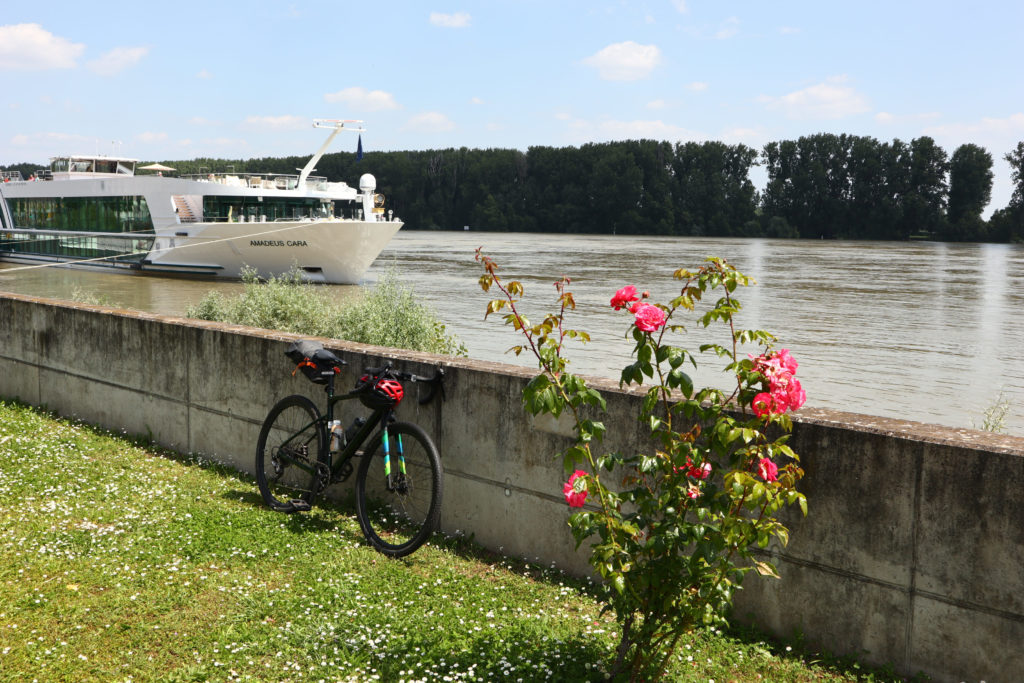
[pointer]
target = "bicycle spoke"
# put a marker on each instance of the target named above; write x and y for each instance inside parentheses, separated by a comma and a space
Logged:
(287, 454)
(399, 510)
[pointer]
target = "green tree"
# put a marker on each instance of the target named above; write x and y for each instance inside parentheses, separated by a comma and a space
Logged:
(1016, 159)
(1007, 225)
(809, 184)
(970, 190)
(924, 202)
(713, 191)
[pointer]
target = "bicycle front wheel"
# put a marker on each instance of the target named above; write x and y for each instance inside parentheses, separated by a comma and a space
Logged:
(399, 510)
(290, 445)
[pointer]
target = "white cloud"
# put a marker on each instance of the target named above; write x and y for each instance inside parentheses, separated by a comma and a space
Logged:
(997, 135)
(1012, 125)
(457, 20)
(596, 131)
(830, 100)
(657, 104)
(728, 29)
(475, 100)
(429, 122)
(886, 118)
(789, 30)
(30, 47)
(286, 122)
(363, 99)
(752, 137)
(680, 6)
(151, 137)
(42, 146)
(204, 74)
(626, 61)
(697, 86)
(117, 60)
(233, 144)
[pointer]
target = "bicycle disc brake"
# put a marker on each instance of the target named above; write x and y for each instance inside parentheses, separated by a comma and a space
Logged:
(398, 484)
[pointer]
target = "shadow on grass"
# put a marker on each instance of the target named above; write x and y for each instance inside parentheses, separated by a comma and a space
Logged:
(796, 649)
(523, 652)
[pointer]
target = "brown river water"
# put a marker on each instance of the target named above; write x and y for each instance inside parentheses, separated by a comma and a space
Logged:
(920, 331)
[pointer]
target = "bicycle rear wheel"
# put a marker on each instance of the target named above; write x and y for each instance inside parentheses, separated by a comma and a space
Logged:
(290, 445)
(397, 520)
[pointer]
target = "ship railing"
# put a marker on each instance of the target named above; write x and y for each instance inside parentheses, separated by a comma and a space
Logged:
(375, 218)
(266, 181)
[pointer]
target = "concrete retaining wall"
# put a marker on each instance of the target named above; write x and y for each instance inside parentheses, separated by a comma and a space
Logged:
(913, 553)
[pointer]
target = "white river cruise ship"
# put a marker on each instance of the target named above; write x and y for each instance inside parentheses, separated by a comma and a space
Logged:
(94, 211)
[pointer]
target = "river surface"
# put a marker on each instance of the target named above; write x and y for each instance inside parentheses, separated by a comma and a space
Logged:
(921, 331)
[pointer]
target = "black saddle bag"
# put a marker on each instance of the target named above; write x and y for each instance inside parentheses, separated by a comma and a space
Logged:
(316, 362)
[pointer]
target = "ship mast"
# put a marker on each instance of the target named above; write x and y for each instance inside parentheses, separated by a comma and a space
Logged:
(337, 125)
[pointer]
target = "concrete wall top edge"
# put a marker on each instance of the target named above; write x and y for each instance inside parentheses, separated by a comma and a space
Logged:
(906, 429)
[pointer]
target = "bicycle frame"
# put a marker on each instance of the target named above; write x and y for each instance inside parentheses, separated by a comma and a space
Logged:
(355, 442)
(336, 461)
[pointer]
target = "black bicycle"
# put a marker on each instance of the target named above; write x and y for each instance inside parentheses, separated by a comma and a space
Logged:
(302, 451)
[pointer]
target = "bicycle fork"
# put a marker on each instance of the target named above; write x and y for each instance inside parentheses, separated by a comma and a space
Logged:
(397, 483)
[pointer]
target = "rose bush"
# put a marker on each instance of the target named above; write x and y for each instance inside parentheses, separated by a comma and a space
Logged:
(672, 531)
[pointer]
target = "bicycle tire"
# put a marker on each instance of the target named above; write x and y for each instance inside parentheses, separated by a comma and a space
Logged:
(293, 430)
(398, 522)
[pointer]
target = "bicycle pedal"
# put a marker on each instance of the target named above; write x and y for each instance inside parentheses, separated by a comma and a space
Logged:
(298, 505)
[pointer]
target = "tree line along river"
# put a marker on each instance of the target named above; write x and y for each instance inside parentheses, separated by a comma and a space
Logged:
(922, 331)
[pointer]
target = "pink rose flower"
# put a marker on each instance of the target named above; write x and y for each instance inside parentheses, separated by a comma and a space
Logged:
(787, 361)
(767, 470)
(763, 404)
(575, 489)
(702, 472)
(649, 318)
(797, 395)
(693, 493)
(624, 297)
(784, 391)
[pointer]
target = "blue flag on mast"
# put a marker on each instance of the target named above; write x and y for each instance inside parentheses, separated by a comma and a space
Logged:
(359, 149)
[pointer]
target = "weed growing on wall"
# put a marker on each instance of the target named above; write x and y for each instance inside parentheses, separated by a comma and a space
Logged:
(994, 416)
(672, 531)
(387, 315)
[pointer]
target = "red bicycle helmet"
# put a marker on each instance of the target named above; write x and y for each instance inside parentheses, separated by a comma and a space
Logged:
(385, 393)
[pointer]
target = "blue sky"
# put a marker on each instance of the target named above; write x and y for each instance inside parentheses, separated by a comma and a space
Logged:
(182, 79)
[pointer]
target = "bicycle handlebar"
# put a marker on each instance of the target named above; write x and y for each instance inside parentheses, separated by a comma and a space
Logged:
(436, 382)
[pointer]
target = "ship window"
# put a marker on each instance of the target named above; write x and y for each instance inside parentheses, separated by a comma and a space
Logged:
(126, 248)
(90, 214)
(223, 207)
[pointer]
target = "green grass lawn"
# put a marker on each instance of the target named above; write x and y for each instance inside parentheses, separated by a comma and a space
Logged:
(125, 563)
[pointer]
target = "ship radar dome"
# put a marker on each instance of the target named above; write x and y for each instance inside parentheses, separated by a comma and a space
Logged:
(367, 183)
